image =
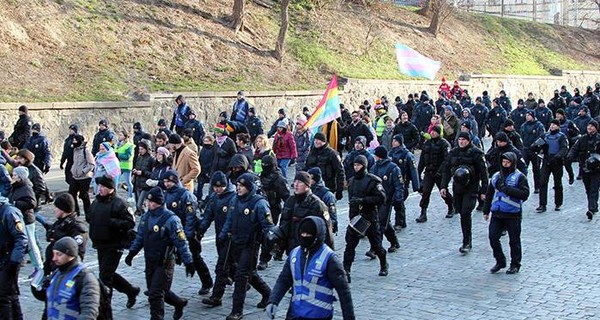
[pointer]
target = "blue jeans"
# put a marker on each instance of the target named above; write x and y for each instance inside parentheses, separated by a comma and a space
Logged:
(126, 178)
(283, 165)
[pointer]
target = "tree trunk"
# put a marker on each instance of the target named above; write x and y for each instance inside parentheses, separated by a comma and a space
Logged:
(426, 10)
(238, 15)
(279, 47)
(434, 26)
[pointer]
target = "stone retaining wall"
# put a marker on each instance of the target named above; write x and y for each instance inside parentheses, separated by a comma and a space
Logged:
(56, 117)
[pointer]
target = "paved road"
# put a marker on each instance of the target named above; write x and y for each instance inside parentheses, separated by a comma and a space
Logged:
(428, 279)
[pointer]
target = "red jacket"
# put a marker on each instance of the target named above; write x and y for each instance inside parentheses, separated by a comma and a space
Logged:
(284, 145)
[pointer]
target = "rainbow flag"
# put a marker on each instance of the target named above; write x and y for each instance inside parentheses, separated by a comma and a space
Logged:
(328, 109)
(414, 64)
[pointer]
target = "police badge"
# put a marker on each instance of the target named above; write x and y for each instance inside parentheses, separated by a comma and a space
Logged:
(155, 228)
(246, 211)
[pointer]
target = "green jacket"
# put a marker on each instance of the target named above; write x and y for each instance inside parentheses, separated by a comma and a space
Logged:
(125, 155)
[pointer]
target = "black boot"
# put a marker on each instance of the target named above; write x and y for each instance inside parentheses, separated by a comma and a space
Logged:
(205, 277)
(383, 265)
(370, 254)
(132, 296)
(235, 316)
(212, 302)
(347, 268)
(541, 208)
(423, 217)
(178, 313)
(450, 213)
(400, 217)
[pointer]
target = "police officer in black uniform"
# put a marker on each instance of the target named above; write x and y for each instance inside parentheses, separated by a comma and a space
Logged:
(161, 235)
(13, 245)
(502, 145)
(183, 203)
(248, 219)
(302, 203)
(496, 118)
(217, 205)
(466, 165)
(554, 151)
(323, 156)
(104, 134)
(532, 130)
(405, 160)
(66, 159)
(366, 193)
(585, 151)
(435, 151)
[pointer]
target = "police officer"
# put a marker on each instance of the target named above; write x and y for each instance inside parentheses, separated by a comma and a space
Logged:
(543, 114)
(583, 151)
(496, 118)
(360, 148)
(104, 134)
(513, 135)
(13, 245)
(532, 130)
(393, 184)
(254, 124)
(408, 131)
(39, 145)
(22, 129)
(504, 101)
(570, 130)
(365, 193)
(183, 203)
(161, 235)
(465, 164)
(555, 150)
(66, 159)
(507, 191)
(110, 223)
(323, 156)
(216, 209)
(318, 264)
(518, 114)
(248, 218)
(480, 112)
(435, 151)
(274, 187)
(302, 203)
(181, 115)
(422, 114)
(319, 189)
(405, 160)
(502, 145)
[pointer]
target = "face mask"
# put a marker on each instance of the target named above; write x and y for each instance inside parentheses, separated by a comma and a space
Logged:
(306, 242)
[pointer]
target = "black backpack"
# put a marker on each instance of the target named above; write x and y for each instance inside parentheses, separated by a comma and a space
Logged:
(105, 307)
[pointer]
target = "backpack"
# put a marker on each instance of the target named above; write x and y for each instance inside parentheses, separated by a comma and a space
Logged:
(105, 307)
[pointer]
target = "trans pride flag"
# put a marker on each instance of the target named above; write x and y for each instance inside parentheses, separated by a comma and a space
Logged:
(414, 64)
(328, 109)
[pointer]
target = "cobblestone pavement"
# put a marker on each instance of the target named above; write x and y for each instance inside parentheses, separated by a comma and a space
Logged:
(429, 278)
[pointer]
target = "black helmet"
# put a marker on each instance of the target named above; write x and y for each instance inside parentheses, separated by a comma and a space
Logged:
(592, 164)
(462, 176)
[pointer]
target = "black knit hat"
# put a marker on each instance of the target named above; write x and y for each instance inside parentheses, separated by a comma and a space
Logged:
(381, 152)
(464, 135)
(23, 108)
(171, 175)
(218, 179)
(246, 180)
(66, 245)
(320, 136)
(65, 202)
(74, 127)
(303, 177)
(175, 139)
(156, 195)
(162, 123)
(315, 173)
(437, 128)
(399, 138)
(137, 126)
(508, 123)
(36, 127)
(555, 121)
(560, 111)
(106, 181)
(103, 122)
(501, 136)
(594, 123)
(362, 160)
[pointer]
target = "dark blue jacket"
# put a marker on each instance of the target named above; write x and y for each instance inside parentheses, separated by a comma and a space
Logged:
(480, 112)
(198, 128)
(581, 122)
(255, 127)
(407, 164)
(157, 245)
(105, 135)
(13, 241)
(496, 118)
(504, 102)
(543, 115)
(422, 116)
(183, 203)
(572, 111)
(518, 116)
(216, 210)
(349, 161)
(391, 179)
(248, 217)
(322, 192)
(5, 181)
(39, 145)
(531, 131)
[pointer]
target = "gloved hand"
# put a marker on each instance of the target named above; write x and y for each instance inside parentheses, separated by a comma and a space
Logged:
(129, 259)
(152, 183)
(356, 201)
(46, 169)
(270, 311)
(500, 184)
(224, 237)
(334, 227)
(339, 194)
(62, 166)
(190, 270)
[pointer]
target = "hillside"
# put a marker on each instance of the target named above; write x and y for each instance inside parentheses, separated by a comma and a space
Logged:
(117, 50)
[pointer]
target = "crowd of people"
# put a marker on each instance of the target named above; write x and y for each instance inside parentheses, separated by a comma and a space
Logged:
(257, 218)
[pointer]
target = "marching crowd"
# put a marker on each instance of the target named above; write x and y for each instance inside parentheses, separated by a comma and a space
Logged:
(257, 217)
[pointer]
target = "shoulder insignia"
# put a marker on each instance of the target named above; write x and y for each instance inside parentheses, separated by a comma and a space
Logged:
(190, 208)
(19, 225)
(380, 187)
(181, 234)
(78, 239)
(269, 217)
(174, 204)
(385, 178)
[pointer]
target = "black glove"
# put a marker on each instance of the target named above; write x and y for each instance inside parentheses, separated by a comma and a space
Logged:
(500, 184)
(62, 167)
(129, 259)
(190, 270)
(224, 237)
(334, 227)
(356, 201)
(46, 169)
(339, 194)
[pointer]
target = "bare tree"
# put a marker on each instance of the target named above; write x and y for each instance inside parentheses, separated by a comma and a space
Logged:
(440, 11)
(279, 47)
(238, 15)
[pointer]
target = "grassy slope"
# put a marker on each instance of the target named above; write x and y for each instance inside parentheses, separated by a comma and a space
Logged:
(111, 49)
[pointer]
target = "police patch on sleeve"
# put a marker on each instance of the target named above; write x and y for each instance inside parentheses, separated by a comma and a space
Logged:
(79, 240)
(379, 187)
(180, 234)
(19, 225)
(190, 208)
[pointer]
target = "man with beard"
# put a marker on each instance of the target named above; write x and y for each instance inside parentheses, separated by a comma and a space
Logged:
(409, 132)
(355, 129)
(324, 157)
(465, 164)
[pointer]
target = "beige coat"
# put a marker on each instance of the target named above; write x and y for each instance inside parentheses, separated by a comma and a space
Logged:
(186, 163)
